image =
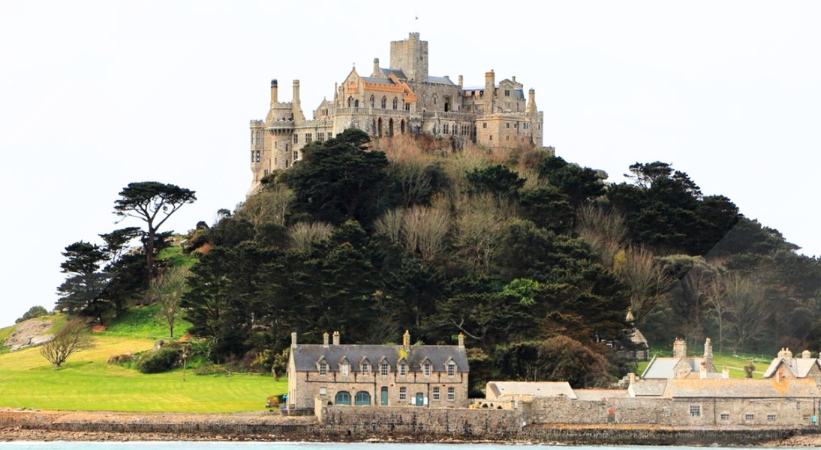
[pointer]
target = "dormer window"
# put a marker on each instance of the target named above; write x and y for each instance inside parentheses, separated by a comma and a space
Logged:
(323, 368)
(403, 368)
(344, 369)
(365, 367)
(451, 368)
(426, 368)
(384, 368)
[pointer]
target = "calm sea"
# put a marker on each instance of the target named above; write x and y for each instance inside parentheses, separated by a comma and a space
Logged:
(289, 446)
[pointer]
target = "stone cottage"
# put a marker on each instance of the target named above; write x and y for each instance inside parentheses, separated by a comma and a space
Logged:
(377, 375)
(784, 366)
(682, 366)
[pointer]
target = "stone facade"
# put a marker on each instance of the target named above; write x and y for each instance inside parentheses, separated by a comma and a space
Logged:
(378, 375)
(399, 99)
(785, 366)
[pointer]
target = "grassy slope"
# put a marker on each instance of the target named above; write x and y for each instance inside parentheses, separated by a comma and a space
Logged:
(735, 363)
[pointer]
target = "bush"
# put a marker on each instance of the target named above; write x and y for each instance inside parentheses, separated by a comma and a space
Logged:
(121, 360)
(34, 311)
(161, 360)
(211, 369)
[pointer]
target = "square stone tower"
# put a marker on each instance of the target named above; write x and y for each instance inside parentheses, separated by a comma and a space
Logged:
(411, 55)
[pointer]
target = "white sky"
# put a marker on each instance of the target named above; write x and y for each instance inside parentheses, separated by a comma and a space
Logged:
(94, 95)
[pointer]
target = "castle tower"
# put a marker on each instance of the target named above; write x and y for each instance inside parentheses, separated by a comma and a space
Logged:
(274, 89)
(411, 55)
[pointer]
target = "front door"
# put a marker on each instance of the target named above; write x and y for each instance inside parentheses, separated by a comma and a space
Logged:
(383, 396)
(420, 399)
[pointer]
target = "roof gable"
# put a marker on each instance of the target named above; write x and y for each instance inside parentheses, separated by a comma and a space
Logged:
(306, 356)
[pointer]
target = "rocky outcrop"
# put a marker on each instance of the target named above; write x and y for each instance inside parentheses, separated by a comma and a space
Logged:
(29, 333)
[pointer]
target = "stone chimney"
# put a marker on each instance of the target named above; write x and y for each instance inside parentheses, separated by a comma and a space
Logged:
(787, 353)
(293, 339)
(461, 340)
(406, 341)
(376, 71)
(336, 338)
(679, 348)
(325, 339)
(631, 377)
(702, 370)
(295, 96)
(490, 82)
(806, 354)
(274, 89)
(531, 101)
(708, 354)
(461, 81)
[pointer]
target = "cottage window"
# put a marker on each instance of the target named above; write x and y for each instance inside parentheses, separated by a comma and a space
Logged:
(451, 369)
(323, 368)
(725, 416)
(451, 394)
(403, 369)
(436, 393)
(345, 369)
(749, 416)
(403, 393)
(770, 417)
(383, 369)
(426, 369)
(308, 138)
(366, 367)
(695, 410)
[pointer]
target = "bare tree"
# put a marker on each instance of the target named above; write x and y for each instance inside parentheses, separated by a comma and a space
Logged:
(269, 205)
(69, 339)
(746, 304)
(603, 230)
(421, 230)
(716, 298)
(167, 290)
(302, 235)
(645, 278)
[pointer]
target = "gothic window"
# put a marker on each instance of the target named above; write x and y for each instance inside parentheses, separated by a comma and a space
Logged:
(350, 101)
(384, 102)
(451, 394)
(395, 103)
(372, 101)
(434, 99)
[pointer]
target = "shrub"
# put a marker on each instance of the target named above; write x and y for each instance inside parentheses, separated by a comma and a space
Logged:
(121, 360)
(34, 311)
(160, 360)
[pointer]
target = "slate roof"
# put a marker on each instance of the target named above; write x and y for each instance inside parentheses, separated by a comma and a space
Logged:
(647, 388)
(398, 72)
(532, 388)
(440, 80)
(377, 80)
(800, 367)
(743, 388)
(306, 356)
(665, 367)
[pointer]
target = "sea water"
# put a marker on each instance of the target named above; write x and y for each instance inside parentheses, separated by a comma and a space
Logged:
(294, 446)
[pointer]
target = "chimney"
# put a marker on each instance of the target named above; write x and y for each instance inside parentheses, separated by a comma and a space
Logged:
(325, 339)
(787, 353)
(336, 338)
(631, 377)
(513, 78)
(274, 89)
(461, 340)
(531, 101)
(490, 82)
(461, 81)
(406, 341)
(806, 354)
(375, 67)
(293, 339)
(702, 370)
(295, 97)
(679, 348)
(708, 354)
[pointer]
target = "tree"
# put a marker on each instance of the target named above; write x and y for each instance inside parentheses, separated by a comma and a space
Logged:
(69, 339)
(580, 184)
(81, 292)
(153, 203)
(747, 308)
(645, 278)
(167, 290)
(33, 312)
(559, 358)
(497, 180)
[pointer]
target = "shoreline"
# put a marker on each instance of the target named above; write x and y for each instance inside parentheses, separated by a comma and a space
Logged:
(100, 426)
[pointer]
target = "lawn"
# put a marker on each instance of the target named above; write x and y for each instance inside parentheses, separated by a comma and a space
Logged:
(142, 321)
(735, 363)
(87, 382)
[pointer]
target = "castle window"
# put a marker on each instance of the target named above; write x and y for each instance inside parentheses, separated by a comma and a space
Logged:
(372, 101)
(407, 106)
(434, 99)
(383, 369)
(451, 394)
(426, 368)
(308, 138)
(403, 393)
(749, 416)
(725, 416)
(484, 124)
(445, 128)
(436, 393)
(296, 138)
(384, 102)
(695, 410)
(356, 103)
(323, 368)
(296, 155)
(770, 417)
(491, 137)
(507, 124)
(395, 103)
(350, 101)
(451, 369)
(507, 93)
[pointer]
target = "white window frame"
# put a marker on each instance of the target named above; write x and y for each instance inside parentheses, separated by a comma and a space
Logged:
(323, 368)
(695, 410)
(451, 394)
(426, 369)
(436, 393)
(384, 369)
(451, 369)
(403, 393)
(403, 369)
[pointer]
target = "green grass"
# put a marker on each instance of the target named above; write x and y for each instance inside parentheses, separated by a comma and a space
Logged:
(176, 257)
(87, 382)
(735, 363)
(142, 322)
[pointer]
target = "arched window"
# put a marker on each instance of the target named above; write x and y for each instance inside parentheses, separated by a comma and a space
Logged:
(372, 101)
(342, 398)
(379, 127)
(362, 398)
(350, 101)
(395, 103)
(402, 126)
(384, 102)
(390, 127)
(434, 99)
(356, 103)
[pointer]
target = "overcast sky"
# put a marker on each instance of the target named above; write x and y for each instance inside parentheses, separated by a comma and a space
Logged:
(94, 95)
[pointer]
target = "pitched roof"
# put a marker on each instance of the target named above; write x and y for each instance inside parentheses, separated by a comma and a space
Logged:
(377, 80)
(800, 367)
(665, 367)
(440, 80)
(743, 388)
(647, 388)
(306, 356)
(398, 72)
(532, 388)
(599, 394)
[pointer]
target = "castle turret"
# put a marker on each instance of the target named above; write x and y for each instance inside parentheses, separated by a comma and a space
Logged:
(461, 81)
(376, 71)
(411, 55)
(531, 101)
(296, 107)
(274, 89)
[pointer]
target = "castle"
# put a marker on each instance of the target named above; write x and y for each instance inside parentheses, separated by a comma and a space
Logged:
(400, 99)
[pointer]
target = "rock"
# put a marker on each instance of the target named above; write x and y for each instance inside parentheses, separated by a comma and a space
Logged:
(29, 333)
